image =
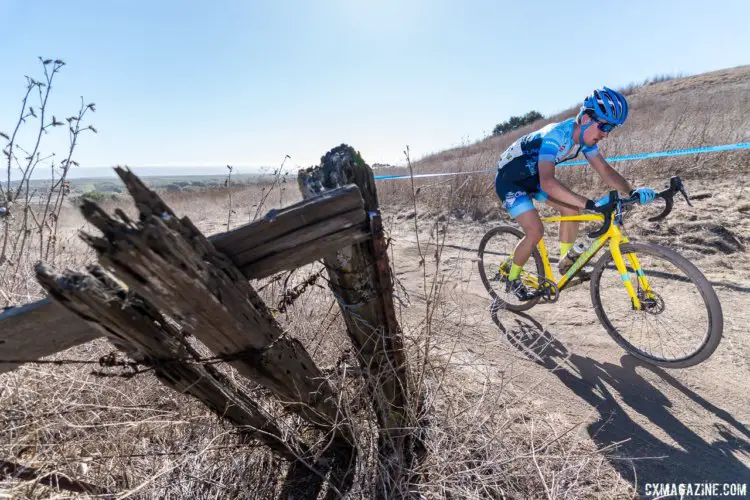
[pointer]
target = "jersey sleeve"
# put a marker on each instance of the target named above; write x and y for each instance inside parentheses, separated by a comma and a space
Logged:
(589, 151)
(550, 146)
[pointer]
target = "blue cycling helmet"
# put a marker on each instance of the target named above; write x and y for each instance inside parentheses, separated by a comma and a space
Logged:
(607, 105)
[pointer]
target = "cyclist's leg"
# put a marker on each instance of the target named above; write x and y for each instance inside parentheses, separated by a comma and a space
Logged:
(529, 220)
(517, 202)
(533, 231)
(568, 229)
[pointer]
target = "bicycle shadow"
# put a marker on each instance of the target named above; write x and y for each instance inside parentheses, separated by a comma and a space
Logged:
(637, 453)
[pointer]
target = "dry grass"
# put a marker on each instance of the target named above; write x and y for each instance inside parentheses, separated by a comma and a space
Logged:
(487, 438)
(17, 282)
(123, 435)
(138, 438)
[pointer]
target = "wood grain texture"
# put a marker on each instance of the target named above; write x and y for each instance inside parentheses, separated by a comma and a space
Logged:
(130, 321)
(360, 277)
(282, 240)
(39, 329)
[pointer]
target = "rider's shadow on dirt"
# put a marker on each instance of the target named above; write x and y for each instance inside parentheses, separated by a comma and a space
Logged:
(640, 456)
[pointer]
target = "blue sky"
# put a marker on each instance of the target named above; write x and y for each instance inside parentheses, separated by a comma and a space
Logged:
(245, 83)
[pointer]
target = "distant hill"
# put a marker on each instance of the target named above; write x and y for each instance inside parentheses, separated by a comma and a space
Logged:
(700, 110)
(113, 185)
(687, 112)
(108, 172)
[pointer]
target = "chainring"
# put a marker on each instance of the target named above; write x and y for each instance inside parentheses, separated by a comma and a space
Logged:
(548, 290)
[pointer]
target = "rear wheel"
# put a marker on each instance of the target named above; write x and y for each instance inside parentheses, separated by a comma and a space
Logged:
(495, 254)
(680, 322)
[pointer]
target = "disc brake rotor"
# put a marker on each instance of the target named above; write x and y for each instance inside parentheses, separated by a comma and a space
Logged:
(651, 302)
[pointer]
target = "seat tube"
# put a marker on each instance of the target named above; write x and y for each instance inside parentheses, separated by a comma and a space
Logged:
(545, 258)
(614, 248)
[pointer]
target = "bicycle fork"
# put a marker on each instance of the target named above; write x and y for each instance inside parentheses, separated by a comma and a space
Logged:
(614, 248)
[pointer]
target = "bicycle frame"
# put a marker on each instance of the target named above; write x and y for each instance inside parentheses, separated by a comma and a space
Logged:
(615, 237)
(633, 261)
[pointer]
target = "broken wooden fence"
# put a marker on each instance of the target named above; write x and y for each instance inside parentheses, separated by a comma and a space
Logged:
(159, 279)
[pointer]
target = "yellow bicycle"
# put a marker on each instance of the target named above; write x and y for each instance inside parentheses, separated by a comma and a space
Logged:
(652, 301)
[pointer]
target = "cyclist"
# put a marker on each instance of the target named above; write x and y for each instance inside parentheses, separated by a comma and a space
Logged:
(527, 168)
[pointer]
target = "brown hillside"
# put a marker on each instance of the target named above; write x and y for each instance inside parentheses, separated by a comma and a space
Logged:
(702, 110)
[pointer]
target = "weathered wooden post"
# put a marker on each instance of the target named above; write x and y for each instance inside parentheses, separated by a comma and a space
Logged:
(165, 267)
(162, 267)
(282, 240)
(361, 281)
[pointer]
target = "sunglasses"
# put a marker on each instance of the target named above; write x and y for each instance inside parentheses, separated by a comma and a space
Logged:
(605, 127)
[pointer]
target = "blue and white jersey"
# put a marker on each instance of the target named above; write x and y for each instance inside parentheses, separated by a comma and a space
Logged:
(517, 178)
(553, 142)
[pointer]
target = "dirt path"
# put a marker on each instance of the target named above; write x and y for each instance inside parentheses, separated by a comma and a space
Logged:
(676, 426)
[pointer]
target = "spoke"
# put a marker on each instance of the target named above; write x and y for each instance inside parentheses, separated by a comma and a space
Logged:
(667, 332)
(663, 327)
(667, 335)
(669, 322)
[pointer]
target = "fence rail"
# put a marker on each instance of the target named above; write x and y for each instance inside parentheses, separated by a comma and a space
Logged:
(40, 329)
(283, 240)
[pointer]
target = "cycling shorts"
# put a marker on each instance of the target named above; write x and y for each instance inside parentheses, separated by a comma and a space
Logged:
(516, 183)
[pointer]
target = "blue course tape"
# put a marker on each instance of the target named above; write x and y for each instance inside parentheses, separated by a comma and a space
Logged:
(641, 156)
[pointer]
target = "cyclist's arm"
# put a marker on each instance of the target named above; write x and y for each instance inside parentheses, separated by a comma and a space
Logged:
(608, 174)
(555, 189)
(551, 144)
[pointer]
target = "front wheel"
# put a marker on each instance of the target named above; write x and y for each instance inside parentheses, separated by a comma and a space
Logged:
(680, 321)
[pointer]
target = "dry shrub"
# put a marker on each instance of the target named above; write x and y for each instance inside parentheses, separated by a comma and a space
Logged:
(123, 434)
(135, 435)
(30, 218)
